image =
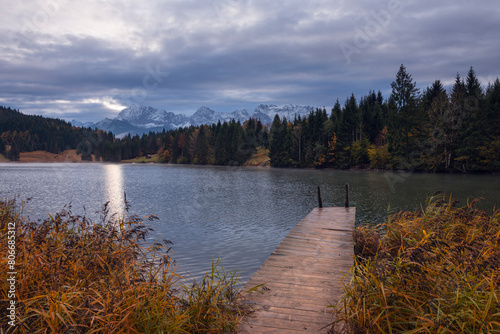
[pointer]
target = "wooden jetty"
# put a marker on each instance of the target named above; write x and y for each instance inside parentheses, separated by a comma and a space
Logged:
(303, 276)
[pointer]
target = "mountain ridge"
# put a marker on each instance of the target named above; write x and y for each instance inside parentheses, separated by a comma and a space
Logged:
(139, 119)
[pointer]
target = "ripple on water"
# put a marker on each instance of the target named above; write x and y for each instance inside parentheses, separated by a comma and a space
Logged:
(238, 214)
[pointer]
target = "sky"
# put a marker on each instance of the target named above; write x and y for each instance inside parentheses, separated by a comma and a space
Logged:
(90, 59)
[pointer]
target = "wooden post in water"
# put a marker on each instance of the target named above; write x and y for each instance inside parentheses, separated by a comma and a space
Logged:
(347, 195)
(320, 200)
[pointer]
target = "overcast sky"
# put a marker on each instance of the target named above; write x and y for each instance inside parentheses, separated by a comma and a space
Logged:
(90, 59)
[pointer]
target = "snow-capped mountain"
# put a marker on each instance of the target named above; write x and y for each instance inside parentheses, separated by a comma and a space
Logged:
(205, 115)
(240, 115)
(121, 128)
(142, 119)
(82, 125)
(266, 112)
(149, 117)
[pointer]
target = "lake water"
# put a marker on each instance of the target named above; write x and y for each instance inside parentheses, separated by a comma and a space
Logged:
(238, 214)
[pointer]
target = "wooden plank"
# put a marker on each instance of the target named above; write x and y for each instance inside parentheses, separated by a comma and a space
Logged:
(285, 323)
(298, 304)
(301, 301)
(268, 330)
(309, 317)
(303, 276)
(296, 275)
(316, 264)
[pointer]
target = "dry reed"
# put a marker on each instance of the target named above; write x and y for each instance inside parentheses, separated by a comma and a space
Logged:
(436, 270)
(77, 276)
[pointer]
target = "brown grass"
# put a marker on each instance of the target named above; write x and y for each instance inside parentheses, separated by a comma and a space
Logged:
(260, 158)
(76, 276)
(42, 156)
(153, 158)
(436, 270)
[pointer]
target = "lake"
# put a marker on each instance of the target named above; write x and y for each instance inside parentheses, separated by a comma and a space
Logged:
(238, 214)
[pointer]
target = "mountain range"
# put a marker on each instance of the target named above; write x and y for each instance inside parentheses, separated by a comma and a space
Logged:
(142, 119)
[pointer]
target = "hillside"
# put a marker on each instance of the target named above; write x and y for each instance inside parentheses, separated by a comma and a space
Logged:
(20, 134)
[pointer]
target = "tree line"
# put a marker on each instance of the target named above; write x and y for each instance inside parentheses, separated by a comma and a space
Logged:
(26, 133)
(228, 143)
(432, 130)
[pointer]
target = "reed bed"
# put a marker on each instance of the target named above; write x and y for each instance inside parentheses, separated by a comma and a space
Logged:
(77, 276)
(436, 270)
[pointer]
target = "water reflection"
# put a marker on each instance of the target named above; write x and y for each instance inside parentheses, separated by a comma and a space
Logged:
(238, 214)
(114, 188)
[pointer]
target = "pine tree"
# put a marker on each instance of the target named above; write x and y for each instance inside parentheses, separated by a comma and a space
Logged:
(406, 119)
(440, 128)
(336, 115)
(277, 134)
(2, 146)
(350, 120)
(474, 122)
(490, 151)
(472, 84)
(221, 143)
(298, 139)
(201, 147)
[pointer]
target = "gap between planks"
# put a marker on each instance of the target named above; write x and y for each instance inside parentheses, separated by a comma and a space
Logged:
(303, 276)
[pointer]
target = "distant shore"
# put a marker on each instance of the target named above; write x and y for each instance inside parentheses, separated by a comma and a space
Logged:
(260, 159)
(43, 156)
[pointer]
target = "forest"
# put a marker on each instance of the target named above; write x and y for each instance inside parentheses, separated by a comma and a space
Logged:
(431, 130)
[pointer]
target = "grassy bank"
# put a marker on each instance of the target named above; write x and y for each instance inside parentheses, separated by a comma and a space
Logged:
(77, 276)
(436, 270)
(259, 158)
(145, 159)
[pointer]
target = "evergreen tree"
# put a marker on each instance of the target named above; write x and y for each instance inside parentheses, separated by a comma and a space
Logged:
(201, 147)
(440, 127)
(336, 116)
(221, 145)
(490, 151)
(277, 134)
(350, 121)
(405, 117)
(432, 92)
(298, 140)
(472, 84)
(472, 132)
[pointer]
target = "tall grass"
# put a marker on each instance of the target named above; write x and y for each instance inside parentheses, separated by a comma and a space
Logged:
(436, 270)
(77, 276)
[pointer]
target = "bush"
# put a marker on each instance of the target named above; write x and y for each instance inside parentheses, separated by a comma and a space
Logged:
(379, 156)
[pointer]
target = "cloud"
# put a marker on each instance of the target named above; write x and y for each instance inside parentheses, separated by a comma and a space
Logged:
(231, 54)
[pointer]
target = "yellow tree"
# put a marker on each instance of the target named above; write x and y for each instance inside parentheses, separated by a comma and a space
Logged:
(328, 158)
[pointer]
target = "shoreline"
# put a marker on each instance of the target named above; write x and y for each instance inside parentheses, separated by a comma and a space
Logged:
(70, 156)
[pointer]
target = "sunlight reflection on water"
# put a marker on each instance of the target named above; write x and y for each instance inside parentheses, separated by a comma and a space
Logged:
(114, 188)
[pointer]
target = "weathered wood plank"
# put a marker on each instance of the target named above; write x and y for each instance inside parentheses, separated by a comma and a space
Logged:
(303, 276)
(275, 301)
(314, 278)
